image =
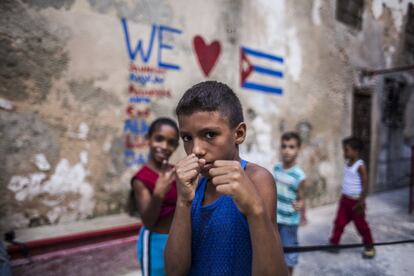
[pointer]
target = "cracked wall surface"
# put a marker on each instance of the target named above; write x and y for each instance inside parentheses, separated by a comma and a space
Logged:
(65, 91)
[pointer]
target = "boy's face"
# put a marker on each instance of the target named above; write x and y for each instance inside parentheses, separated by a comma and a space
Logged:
(289, 150)
(209, 136)
(350, 153)
(162, 143)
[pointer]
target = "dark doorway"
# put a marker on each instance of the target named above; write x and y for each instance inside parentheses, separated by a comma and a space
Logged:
(361, 121)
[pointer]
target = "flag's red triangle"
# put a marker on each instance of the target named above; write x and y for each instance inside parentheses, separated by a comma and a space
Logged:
(245, 67)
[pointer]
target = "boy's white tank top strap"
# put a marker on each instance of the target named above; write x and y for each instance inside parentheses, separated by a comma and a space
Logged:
(356, 165)
(352, 185)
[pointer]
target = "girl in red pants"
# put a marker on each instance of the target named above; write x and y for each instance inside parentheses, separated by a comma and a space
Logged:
(354, 191)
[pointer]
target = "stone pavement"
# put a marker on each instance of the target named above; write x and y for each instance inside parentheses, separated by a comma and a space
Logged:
(105, 258)
(387, 215)
(389, 220)
(50, 231)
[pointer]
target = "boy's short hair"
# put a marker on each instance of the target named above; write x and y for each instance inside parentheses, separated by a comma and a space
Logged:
(211, 96)
(292, 135)
(354, 143)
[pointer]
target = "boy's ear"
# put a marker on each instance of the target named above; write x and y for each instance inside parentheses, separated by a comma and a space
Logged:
(240, 133)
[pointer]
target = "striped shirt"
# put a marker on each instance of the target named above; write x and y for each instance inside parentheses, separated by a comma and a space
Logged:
(287, 182)
(351, 184)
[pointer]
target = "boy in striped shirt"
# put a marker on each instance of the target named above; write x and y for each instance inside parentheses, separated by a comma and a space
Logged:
(354, 191)
(290, 181)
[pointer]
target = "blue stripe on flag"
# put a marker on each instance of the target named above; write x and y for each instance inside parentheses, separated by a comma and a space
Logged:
(263, 88)
(267, 71)
(262, 55)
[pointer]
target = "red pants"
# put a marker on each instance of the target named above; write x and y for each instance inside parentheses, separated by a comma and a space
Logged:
(345, 215)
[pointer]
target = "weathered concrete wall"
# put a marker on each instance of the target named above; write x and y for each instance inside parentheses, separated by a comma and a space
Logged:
(62, 141)
(81, 80)
(333, 58)
(385, 23)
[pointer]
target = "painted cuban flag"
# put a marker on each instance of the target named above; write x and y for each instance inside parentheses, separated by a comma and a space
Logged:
(261, 71)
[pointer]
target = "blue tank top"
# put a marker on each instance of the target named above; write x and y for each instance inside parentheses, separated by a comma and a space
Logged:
(220, 240)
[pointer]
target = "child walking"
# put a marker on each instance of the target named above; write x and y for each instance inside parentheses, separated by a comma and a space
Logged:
(156, 195)
(290, 181)
(354, 192)
(224, 222)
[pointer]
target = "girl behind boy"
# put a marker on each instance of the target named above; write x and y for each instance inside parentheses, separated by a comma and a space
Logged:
(156, 195)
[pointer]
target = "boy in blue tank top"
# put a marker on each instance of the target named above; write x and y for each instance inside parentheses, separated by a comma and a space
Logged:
(224, 222)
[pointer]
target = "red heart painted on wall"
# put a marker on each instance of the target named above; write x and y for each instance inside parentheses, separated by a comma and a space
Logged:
(207, 54)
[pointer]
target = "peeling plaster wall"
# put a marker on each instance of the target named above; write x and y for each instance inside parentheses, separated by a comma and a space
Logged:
(65, 90)
(61, 114)
(379, 45)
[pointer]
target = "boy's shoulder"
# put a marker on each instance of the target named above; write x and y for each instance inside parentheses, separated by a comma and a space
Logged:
(295, 170)
(360, 162)
(299, 173)
(257, 173)
(299, 170)
(356, 165)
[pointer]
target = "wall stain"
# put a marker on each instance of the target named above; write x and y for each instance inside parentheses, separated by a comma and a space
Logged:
(44, 4)
(162, 14)
(93, 99)
(22, 136)
(31, 56)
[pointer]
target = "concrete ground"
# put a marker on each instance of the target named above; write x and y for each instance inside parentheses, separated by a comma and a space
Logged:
(50, 231)
(387, 215)
(389, 220)
(106, 258)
